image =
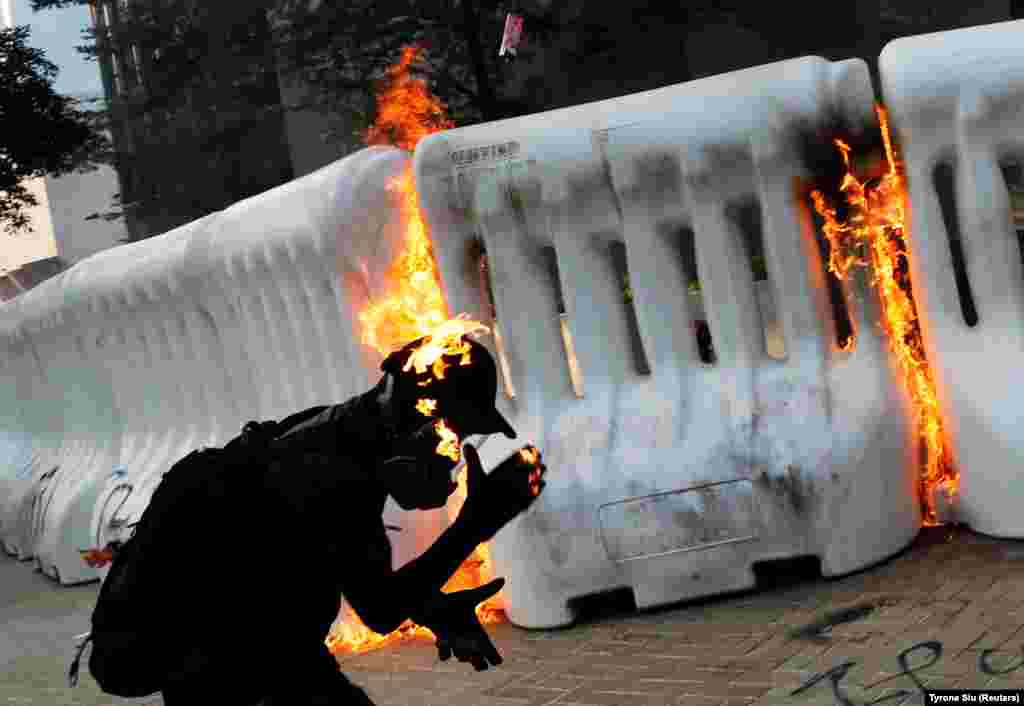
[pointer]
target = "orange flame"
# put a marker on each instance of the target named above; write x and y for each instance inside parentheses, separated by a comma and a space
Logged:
(447, 340)
(97, 558)
(449, 445)
(415, 308)
(873, 234)
(415, 305)
(406, 110)
(531, 455)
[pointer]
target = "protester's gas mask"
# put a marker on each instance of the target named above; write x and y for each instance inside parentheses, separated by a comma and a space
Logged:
(417, 476)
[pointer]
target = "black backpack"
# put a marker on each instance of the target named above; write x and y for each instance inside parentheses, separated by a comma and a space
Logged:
(130, 655)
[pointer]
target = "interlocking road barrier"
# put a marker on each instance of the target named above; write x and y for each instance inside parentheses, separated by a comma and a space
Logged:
(139, 354)
(670, 475)
(956, 102)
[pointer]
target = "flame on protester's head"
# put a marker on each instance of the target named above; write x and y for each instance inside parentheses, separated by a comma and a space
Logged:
(413, 308)
(873, 234)
(446, 341)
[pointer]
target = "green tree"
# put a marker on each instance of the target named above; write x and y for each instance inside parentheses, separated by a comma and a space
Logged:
(344, 49)
(41, 133)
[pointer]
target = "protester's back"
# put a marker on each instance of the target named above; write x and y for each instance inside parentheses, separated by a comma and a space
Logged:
(171, 578)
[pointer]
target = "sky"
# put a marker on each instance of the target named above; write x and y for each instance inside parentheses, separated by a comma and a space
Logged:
(58, 32)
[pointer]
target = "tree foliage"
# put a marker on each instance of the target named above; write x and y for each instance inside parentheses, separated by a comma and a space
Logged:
(344, 50)
(43, 133)
(340, 49)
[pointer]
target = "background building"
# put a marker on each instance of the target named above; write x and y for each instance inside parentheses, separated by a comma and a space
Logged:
(181, 154)
(36, 243)
(60, 233)
(74, 201)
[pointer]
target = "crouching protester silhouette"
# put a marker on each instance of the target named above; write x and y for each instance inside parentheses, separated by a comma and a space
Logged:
(232, 579)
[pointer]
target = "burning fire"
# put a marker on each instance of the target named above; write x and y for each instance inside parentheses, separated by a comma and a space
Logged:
(872, 234)
(97, 558)
(406, 110)
(449, 445)
(531, 455)
(447, 340)
(415, 308)
(415, 305)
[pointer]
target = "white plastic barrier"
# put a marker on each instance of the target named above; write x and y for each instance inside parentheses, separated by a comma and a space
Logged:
(22, 466)
(957, 98)
(139, 354)
(75, 363)
(31, 489)
(158, 385)
(670, 476)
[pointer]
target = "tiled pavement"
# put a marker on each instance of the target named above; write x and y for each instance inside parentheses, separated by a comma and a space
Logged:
(951, 587)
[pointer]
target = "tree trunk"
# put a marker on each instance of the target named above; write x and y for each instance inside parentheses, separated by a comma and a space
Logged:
(485, 90)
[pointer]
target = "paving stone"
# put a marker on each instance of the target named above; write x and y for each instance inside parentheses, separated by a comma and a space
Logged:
(1009, 681)
(586, 696)
(950, 589)
(732, 652)
(529, 695)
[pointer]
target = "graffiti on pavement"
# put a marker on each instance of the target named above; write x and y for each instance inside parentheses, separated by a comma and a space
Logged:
(934, 650)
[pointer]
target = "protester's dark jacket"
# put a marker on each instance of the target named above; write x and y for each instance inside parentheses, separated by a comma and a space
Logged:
(243, 577)
(315, 510)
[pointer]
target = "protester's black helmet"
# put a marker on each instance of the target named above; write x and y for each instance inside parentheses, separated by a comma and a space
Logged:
(466, 394)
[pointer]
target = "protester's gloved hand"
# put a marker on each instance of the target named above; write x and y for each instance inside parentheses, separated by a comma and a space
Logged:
(452, 618)
(496, 498)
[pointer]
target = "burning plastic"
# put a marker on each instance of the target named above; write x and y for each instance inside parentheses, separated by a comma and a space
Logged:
(872, 234)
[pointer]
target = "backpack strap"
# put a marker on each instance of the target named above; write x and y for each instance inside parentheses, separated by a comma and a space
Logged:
(260, 434)
(73, 670)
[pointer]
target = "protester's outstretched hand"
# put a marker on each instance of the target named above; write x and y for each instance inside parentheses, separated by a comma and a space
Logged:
(494, 499)
(452, 618)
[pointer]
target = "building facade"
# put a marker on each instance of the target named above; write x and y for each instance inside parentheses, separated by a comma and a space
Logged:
(35, 243)
(195, 131)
